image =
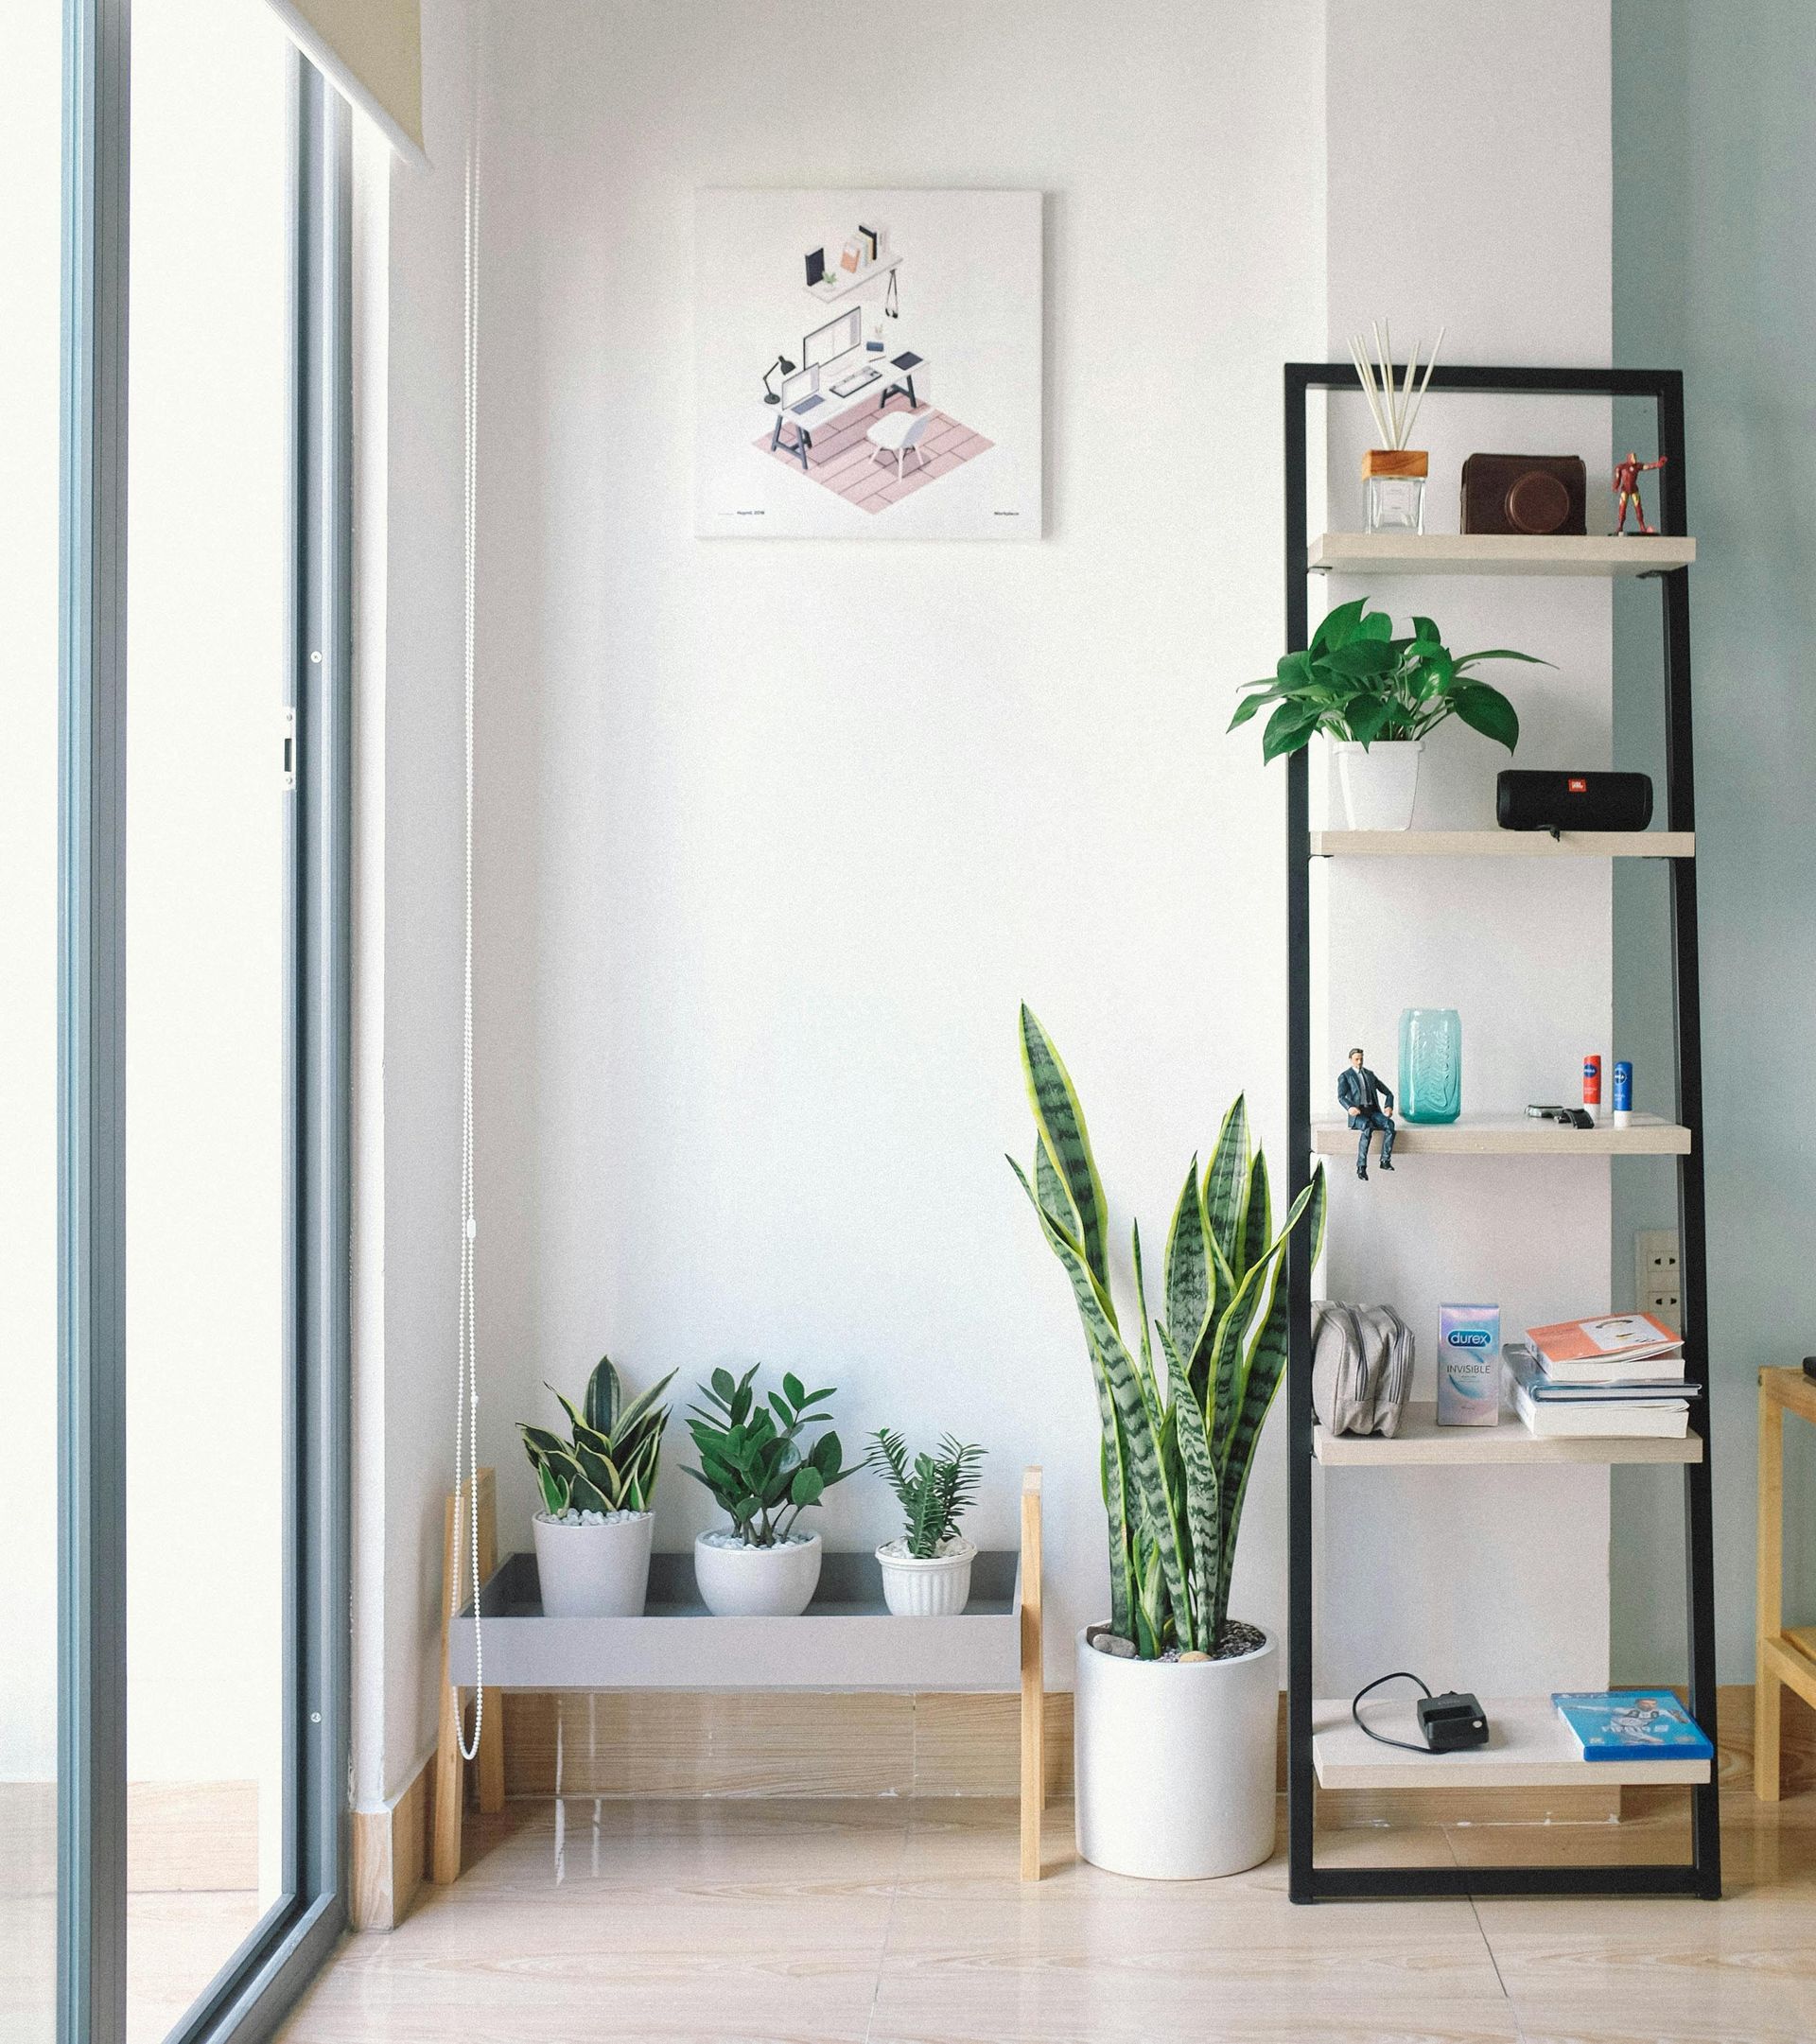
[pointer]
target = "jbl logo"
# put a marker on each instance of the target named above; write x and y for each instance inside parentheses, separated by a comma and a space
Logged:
(1577, 784)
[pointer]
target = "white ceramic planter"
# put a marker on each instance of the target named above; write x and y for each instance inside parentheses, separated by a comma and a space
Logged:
(757, 1583)
(594, 1571)
(1174, 1762)
(1380, 782)
(939, 1587)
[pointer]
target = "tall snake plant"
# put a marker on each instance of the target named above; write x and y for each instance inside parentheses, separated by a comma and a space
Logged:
(1180, 1437)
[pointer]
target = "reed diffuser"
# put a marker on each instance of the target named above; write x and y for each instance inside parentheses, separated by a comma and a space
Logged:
(1394, 471)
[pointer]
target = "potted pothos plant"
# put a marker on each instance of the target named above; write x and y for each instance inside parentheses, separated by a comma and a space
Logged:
(1375, 697)
(756, 1459)
(598, 1487)
(927, 1568)
(1176, 1701)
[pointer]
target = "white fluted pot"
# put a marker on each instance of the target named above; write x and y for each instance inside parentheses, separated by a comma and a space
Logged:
(937, 1587)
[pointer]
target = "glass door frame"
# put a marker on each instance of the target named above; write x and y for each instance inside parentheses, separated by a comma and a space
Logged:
(314, 745)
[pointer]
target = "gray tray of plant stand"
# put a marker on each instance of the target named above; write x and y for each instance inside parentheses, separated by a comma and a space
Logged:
(846, 1639)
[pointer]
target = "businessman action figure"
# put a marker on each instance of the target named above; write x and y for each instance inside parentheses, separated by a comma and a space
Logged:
(1359, 1094)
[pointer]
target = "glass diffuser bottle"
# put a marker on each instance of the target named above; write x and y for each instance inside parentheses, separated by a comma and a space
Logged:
(1431, 1064)
(1394, 489)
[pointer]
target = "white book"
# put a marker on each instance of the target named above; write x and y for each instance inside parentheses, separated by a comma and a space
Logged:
(1610, 1378)
(1638, 1419)
(1594, 1352)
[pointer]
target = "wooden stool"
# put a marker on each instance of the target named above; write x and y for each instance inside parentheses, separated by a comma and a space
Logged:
(1786, 1659)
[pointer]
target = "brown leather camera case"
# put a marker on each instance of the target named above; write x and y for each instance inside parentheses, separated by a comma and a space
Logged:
(1525, 493)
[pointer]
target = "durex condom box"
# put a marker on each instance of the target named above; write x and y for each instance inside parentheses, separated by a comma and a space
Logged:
(1469, 1365)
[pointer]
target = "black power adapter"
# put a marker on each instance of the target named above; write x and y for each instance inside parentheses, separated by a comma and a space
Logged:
(1452, 1723)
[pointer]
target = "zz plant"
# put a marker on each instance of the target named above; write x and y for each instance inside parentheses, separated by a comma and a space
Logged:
(752, 1457)
(609, 1462)
(1358, 681)
(1179, 1429)
(935, 1490)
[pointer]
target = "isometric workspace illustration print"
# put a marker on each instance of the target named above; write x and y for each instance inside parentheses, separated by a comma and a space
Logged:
(829, 320)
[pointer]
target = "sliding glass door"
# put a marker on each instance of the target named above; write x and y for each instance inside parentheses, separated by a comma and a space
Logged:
(208, 576)
(193, 989)
(30, 245)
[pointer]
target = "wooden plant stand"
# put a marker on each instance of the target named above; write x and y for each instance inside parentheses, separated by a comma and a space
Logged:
(1787, 1658)
(844, 1640)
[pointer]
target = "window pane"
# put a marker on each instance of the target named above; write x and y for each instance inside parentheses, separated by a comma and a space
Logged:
(208, 581)
(30, 301)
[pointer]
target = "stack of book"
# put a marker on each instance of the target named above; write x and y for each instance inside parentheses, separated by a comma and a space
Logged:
(1621, 1374)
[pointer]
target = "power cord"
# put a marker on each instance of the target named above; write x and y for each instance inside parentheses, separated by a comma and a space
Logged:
(1402, 1674)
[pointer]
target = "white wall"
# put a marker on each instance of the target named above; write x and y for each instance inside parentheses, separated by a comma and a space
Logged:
(408, 906)
(758, 898)
(1502, 231)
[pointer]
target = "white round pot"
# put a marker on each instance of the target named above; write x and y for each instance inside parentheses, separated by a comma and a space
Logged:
(600, 1571)
(737, 1582)
(1379, 781)
(1174, 1762)
(939, 1587)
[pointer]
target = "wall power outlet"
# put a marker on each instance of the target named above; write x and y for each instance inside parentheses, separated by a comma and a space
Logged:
(1656, 1277)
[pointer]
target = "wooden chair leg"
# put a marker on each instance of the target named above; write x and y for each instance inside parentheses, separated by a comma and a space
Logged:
(1033, 1701)
(450, 1770)
(1768, 1694)
(491, 1762)
(451, 1776)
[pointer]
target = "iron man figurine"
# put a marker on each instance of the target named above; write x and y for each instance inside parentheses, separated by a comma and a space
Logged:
(1627, 475)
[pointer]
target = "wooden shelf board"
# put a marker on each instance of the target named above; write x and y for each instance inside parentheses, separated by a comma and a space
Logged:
(847, 1639)
(1529, 1747)
(1422, 1442)
(838, 284)
(1492, 553)
(1513, 1135)
(1499, 844)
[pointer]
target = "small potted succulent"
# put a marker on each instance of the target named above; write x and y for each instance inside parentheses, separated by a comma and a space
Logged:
(927, 1568)
(1374, 697)
(598, 1486)
(755, 1460)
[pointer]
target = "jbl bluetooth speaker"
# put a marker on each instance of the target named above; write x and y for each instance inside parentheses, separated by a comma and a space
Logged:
(1527, 800)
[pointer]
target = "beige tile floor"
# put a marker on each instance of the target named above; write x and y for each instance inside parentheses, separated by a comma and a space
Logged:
(764, 1922)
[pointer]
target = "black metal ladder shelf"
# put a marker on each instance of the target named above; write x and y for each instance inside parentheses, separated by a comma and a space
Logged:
(1666, 561)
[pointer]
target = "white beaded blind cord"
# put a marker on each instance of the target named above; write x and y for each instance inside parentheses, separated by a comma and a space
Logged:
(466, 1404)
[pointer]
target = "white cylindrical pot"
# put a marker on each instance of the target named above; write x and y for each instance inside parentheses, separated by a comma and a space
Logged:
(939, 1587)
(1174, 1762)
(737, 1582)
(597, 1571)
(1380, 782)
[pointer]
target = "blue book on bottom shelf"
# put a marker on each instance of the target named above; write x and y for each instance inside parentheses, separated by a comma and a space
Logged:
(1632, 1724)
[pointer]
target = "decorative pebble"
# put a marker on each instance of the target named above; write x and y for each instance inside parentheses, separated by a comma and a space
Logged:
(1194, 1657)
(1113, 1644)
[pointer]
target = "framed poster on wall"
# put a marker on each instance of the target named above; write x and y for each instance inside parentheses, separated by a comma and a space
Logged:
(867, 365)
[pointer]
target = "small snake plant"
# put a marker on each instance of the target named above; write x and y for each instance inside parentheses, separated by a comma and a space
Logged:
(935, 1490)
(1178, 1440)
(610, 1463)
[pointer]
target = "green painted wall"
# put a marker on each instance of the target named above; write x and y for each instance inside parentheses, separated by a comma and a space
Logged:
(1715, 273)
